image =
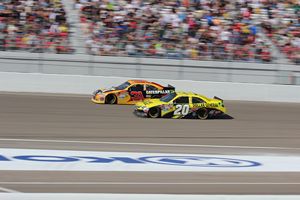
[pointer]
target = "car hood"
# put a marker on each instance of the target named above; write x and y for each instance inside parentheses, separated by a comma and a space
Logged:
(105, 91)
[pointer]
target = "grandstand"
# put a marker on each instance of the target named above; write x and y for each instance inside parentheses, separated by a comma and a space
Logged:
(262, 31)
(34, 26)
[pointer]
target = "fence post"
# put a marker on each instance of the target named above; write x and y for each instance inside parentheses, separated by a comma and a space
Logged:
(180, 70)
(40, 62)
(292, 78)
(138, 66)
(229, 74)
(91, 64)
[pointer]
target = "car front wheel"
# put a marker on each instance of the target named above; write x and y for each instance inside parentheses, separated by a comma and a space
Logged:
(111, 99)
(154, 112)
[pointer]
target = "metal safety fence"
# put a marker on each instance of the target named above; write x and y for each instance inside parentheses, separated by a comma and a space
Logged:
(140, 66)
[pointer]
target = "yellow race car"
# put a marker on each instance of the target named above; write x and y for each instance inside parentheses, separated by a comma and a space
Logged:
(180, 105)
(131, 92)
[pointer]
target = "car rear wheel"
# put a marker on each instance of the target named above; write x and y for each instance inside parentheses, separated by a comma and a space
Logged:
(202, 113)
(111, 99)
(154, 112)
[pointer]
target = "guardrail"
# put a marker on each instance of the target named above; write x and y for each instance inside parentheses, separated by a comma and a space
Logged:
(211, 53)
(78, 84)
(136, 67)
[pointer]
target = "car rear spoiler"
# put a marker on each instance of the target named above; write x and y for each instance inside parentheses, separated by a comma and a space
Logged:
(215, 97)
(169, 87)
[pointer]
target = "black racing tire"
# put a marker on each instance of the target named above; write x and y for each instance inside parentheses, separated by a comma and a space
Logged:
(154, 112)
(111, 99)
(202, 113)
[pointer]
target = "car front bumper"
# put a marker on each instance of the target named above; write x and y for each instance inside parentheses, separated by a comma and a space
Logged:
(98, 100)
(140, 113)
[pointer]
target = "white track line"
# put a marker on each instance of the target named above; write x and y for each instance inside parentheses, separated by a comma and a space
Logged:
(147, 144)
(8, 190)
(145, 183)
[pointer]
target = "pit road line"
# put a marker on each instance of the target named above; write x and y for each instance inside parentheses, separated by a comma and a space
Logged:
(146, 183)
(147, 144)
(8, 190)
(126, 196)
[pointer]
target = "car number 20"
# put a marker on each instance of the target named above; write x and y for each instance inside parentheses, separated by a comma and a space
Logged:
(182, 109)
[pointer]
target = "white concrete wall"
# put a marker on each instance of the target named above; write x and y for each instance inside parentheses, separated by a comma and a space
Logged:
(78, 84)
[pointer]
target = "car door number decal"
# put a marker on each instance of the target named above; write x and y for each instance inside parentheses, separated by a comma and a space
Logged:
(137, 95)
(181, 109)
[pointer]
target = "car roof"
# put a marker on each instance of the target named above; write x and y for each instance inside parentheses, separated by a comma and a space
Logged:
(136, 81)
(181, 93)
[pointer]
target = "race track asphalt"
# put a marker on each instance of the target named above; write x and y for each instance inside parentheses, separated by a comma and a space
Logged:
(38, 121)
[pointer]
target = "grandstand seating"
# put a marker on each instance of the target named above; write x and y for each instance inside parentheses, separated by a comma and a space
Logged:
(190, 29)
(35, 26)
(282, 24)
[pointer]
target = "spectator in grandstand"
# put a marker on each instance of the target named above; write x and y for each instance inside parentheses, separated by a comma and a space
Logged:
(131, 49)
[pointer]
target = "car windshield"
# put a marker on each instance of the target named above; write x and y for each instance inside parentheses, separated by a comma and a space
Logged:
(168, 97)
(123, 86)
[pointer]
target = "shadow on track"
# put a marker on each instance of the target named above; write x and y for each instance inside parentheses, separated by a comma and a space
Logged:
(190, 117)
(221, 116)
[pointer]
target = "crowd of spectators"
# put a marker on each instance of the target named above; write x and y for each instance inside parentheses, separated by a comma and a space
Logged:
(34, 25)
(194, 29)
(282, 25)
